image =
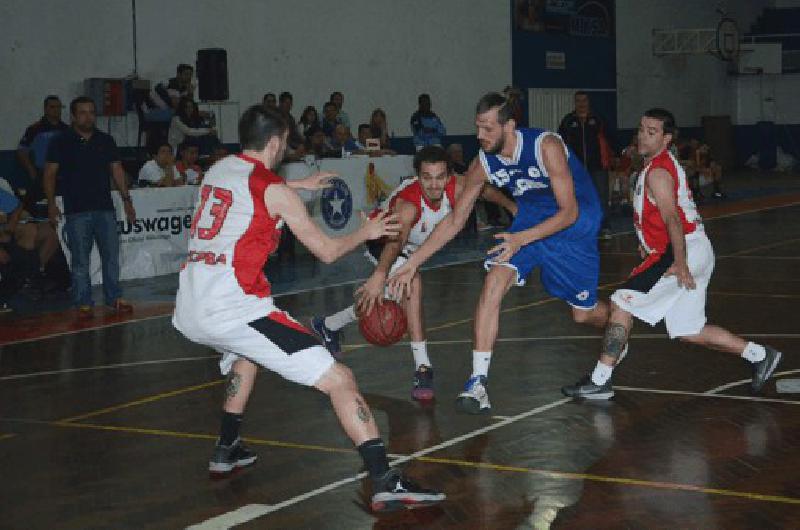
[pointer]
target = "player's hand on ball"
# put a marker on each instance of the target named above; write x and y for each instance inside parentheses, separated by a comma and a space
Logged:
(369, 294)
(400, 281)
(505, 250)
(383, 224)
(682, 274)
(317, 181)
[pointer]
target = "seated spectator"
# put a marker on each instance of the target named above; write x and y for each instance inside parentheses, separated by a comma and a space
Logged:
(342, 142)
(188, 122)
(218, 152)
(708, 168)
(330, 119)
(269, 101)
(380, 128)
(23, 240)
(456, 153)
(317, 143)
(364, 134)
(294, 140)
(308, 119)
(189, 171)
(683, 150)
(160, 171)
(426, 126)
(163, 100)
(337, 98)
(32, 149)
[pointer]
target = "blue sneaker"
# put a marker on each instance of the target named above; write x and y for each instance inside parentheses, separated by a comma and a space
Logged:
(474, 399)
(330, 338)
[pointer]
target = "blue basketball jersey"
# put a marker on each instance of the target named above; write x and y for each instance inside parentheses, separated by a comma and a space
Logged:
(525, 176)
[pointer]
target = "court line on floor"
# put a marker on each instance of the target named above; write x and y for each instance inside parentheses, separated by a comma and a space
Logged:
(733, 384)
(761, 247)
(142, 401)
(758, 399)
(7, 436)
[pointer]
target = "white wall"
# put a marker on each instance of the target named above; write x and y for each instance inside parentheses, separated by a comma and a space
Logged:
(690, 86)
(377, 52)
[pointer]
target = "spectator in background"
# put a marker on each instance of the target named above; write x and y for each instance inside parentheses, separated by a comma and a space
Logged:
(87, 160)
(456, 154)
(337, 98)
(187, 122)
(160, 170)
(187, 167)
(32, 149)
(584, 133)
(426, 126)
(707, 167)
(163, 100)
(308, 119)
(269, 101)
(317, 143)
(380, 127)
(218, 152)
(364, 134)
(342, 141)
(330, 119)
(294, 139)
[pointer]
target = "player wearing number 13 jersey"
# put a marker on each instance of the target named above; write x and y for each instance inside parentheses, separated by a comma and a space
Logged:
(224, 299)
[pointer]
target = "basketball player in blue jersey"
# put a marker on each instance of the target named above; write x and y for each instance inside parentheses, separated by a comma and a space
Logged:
(555, 229)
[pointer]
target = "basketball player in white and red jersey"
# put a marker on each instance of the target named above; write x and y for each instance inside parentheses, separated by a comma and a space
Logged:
(671, 282)
(420, 204)
(224, 299)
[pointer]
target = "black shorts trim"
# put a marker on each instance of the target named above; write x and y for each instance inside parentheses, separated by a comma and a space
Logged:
(645, 280)
(375, 249)
(286, 338)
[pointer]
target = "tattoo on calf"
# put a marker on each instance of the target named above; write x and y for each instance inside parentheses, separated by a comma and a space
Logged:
(363, 411)
(614, 340)
(232, 383)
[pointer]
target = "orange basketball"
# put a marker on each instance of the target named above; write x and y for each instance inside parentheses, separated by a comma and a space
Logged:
(384, 325)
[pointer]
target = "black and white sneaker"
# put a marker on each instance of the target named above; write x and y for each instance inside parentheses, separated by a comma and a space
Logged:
(394, 492)
(331, 339)
(586, 389)
(474, 399)
(764, 369)
(226, 458)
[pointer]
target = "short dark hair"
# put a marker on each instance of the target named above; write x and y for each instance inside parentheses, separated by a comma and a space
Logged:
(666, 118)
(423, 96)
(73, 105)
(328, 104)
(336, 93)
(581, 93)
(50, 98)
(431, 155)
(258, 125)
(363, 126)
(285, 95)
(183, 67)
(189, 141)
(155, 147)
(268, 94)
(494, 100)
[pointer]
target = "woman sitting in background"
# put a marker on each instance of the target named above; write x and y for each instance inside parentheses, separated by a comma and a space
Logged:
(308, 119)
(187, 122)
(380, 128)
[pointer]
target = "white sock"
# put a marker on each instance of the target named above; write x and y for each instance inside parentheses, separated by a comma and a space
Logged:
(480, 362)
(420, 351)
(337, 321)
(601, 374)
(754, 352)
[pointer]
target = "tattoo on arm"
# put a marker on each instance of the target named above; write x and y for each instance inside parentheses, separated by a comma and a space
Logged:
(232, 383)
(614, 340)
(363, 411)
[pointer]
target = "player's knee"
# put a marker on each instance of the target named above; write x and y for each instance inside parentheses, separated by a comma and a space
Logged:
(581, 316)
(338, 377)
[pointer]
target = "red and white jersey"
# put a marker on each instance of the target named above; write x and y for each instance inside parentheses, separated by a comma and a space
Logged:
(231, 237)
(650, 227)
(428, 216)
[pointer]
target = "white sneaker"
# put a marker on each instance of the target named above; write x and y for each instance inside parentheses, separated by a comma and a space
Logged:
(474, 399)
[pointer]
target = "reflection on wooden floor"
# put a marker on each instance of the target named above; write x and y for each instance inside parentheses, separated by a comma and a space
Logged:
(109, 423)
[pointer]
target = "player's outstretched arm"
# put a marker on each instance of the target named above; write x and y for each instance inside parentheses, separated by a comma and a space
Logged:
(474, 178)
(316, 181)
(372, 291)
(661, 187)
(284, 202)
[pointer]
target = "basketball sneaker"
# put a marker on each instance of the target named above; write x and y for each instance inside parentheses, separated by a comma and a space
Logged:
(586, 389)
(763, 369)
(393, 492)
(474, 399)
(228, 457)
(423, 384)
(330, 339)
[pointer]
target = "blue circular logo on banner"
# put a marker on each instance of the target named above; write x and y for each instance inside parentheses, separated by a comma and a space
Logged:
(337, 204)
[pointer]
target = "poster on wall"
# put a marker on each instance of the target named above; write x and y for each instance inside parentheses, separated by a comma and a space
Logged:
(582, 18)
